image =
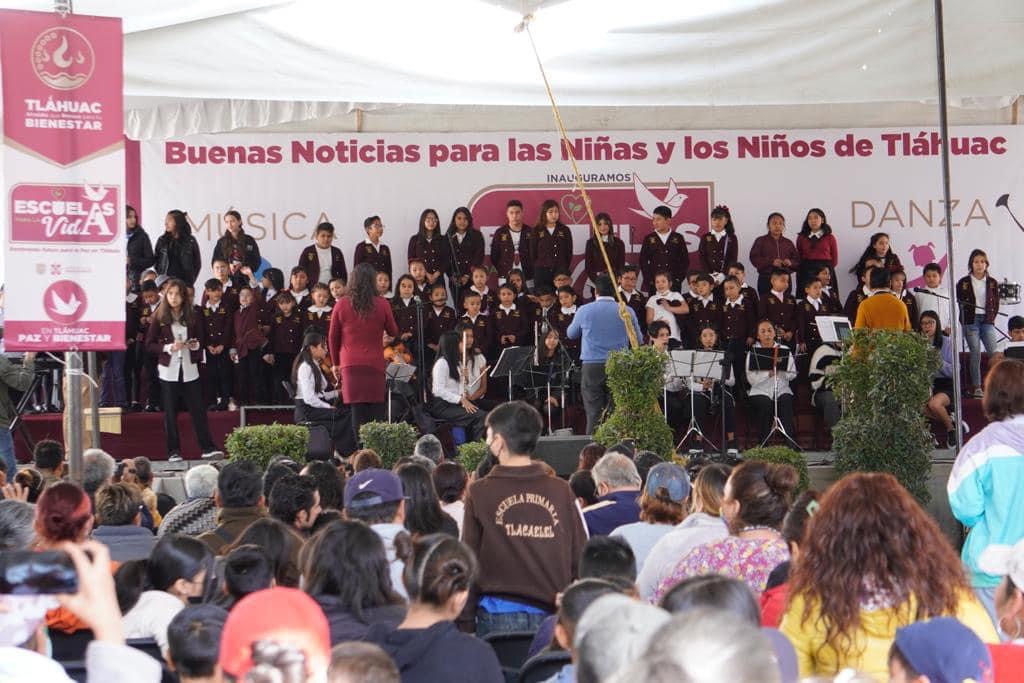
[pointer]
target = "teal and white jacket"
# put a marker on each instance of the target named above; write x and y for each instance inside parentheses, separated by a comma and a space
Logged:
(986, 492)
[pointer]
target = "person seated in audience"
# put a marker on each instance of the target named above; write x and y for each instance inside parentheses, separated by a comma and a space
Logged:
(330, 482)
(97, 470)
(118, 513)
(713, 591)
(143, 478)
(940, 649)
(365, 459)
(756, 498)
(272, 632)
(281, 544)
(239, 500)
(355, 662)
(16, 519)
(666, 490)
(529, 557)
(618, 488)
(575, 600)
(247, 569)
(426, 645)
(48, 459)
(150, 592)
(583, 487)
(453, 394)
(860, 576)
(987, 475)
(450, 481)
(773, 600)
(770, 390)
(423, 513)
(193, 643)
(348, 573)
(1007, 563)
(375, 497)
(939, 405)
(295, 501)
(197, 514)
(613, 632)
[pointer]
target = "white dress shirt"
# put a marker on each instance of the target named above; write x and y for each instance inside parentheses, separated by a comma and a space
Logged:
(663, 315)
(930, 301)
(305, 390)
(443, 386)
(324, 258)
(181, 360)
(765, 383)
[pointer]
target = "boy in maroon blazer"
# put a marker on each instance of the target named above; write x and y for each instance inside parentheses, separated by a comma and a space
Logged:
(229, 286)
(298, 287)
(511, 326)
(813, 306)
(739, 327)
(218, 323)
(779, 306)
(145, 307)
(479, 321)
(371, 250)
(321, 260)
(739, 273)
(438, 317)
(510, 244)
(248, 339)
(664, 250)
(285, 342)
(705, 309)
(634, 297)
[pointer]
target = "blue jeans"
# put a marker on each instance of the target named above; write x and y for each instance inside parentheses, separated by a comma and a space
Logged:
(7, 452)
(984, 333)
(487, 622)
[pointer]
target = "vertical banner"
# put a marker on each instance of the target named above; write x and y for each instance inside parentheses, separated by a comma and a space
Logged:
(63, 180)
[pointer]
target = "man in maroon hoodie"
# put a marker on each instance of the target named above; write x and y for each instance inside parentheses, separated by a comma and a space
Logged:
(524, 527)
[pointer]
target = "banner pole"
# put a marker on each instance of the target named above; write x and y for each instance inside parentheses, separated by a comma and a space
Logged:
(73, 411)
(954, 321)
(94, 398)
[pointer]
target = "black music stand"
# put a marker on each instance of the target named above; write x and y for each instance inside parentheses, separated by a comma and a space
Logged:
(769, 360)
(511, 361)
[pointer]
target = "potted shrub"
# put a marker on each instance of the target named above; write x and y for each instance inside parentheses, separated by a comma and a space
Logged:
(636, 380)
(260, 443)
(471, 454)
(881, 383)
(391, 440)
(781, 455)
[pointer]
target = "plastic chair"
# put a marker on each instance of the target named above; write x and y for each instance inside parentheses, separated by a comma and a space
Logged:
(458, 436)
(512, 649)
(543, 666)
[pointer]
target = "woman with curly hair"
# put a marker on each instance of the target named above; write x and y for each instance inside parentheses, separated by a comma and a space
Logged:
(871, 562)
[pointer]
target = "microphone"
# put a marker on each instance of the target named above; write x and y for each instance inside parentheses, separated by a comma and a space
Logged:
(923, 290)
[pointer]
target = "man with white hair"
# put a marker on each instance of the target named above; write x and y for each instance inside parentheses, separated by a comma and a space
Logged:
(618, 489)
(430, 448)
(198, 514)
(97, 470)
(613, 632)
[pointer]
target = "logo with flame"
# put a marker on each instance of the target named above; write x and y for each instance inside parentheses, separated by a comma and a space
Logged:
(63, 58)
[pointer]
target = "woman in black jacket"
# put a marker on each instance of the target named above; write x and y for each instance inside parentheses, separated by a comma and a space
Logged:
(177, 251)
(140, 249)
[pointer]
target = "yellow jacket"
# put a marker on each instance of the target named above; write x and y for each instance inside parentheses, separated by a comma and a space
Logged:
(883, 311)
(870, 644)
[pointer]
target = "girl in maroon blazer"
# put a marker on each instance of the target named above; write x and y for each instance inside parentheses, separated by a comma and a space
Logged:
(248, 340)
(978, 296)
(430, 246)
(355, 338)
(718, 248)
(817, 247)
(175, 336)
(550, 245)
(465, 247)
(878, 254)
(592, 259)
(773, 251)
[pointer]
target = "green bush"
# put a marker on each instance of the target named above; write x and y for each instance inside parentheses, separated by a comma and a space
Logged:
(471, 453)
(635, 380)
(391, 440)
(260, 443)
(882, 384)
(780, 455)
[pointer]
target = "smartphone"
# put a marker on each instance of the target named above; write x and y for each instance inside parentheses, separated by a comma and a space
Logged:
(23, 572)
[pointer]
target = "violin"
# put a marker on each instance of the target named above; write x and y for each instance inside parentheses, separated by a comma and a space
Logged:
(397, 352)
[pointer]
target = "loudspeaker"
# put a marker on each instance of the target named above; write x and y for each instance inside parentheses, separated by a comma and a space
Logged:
(561, 452)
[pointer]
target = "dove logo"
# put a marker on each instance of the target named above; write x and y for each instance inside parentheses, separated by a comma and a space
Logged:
(63, 58)
(65, 302)
(64, 213)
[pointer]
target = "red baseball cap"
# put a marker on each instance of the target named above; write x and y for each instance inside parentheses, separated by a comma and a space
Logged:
(284, 615)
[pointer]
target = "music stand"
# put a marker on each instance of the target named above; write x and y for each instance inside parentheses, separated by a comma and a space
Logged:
(1014, 350)
(696, 365)
(833, 329)
(397, 372)
(512, 360)
(769, 360)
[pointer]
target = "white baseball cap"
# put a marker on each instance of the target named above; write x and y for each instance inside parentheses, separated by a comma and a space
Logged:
(1004, 560)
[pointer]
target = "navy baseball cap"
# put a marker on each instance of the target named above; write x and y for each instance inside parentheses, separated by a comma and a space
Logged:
(372, 487)
(672, 478)
(945, 651)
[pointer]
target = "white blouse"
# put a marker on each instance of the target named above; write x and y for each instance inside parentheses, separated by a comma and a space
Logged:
(764, 383)
(180, 359)
(450, 390)
(306, 389)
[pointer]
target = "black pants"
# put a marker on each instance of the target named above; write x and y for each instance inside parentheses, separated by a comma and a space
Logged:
(153, 391)
(218, 374)
(192, 394)
(594, 389)
(827, 406)
(763, 410)
(737, 349)
(337, 422)
(361, 413)
(281, 372)
(702, 408)
(456, 416)
(252, 382)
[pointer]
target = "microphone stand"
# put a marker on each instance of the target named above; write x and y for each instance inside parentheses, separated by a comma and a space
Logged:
(975, 306)
(421, 350)
(456, 272)
(566, 371)
(726, 369)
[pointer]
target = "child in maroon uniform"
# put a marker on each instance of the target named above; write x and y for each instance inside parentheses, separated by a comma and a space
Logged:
(813, 306)
(479, 285)
(322, 261)
(217, 321)
(511, 326)
(593, 261)
(146, 305)
(510, 244)
(285, 341)
(466, 248)
(431, 247)
(718, 248)
(779, 306)
(550, 244)
(773, 251)
(248, 340)
(739, 273)
(438, 317)
(478, 321)
(633, 297)
(403, 307)
(372, 251)
(229, 294)
(418, 275)
(739, 325)
(858, 296)
(318, 316)
(299, 289)
(663, 250)
(705, 310)
(898, 285)
(828, 290)
(563, 318)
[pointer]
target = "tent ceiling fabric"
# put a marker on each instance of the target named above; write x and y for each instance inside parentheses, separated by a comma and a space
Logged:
(215, 65)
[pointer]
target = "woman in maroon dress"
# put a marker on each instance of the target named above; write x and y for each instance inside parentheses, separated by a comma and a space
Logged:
(356, 340)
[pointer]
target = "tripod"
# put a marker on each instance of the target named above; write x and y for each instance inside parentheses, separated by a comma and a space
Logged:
(711, 368)
(761, 360)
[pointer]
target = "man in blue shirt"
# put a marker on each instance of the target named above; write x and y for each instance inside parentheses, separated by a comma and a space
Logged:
(603, 331)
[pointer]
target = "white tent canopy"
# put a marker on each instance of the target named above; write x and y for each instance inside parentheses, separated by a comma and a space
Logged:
(200, 66)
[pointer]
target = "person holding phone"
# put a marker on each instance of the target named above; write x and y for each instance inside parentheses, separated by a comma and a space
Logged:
(175, 336)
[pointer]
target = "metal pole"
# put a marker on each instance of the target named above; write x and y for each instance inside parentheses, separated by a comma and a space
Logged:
(94, 398)
(954, 321)
(73, 406)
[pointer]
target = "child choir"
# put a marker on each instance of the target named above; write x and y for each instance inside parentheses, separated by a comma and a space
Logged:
(252, 329)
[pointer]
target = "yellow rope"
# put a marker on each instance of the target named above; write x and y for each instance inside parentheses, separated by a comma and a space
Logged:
(623, 311)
